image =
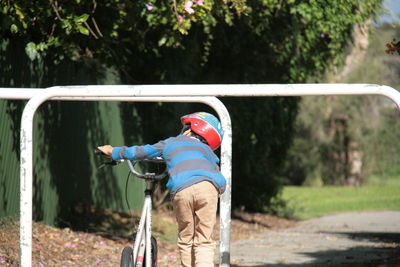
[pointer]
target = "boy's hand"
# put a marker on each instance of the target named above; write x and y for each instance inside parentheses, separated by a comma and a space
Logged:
(107, 150)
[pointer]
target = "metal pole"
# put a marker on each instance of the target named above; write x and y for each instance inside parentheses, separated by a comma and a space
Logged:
(251, 90)
(115, 92)
(27, 159)
(26, 178)
(148, 231)
(248, 90)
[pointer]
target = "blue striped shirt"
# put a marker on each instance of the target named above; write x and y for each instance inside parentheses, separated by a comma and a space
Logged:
(188, 160)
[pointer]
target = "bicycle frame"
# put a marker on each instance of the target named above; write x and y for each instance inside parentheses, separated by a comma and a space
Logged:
(143, 239)
(144, 228)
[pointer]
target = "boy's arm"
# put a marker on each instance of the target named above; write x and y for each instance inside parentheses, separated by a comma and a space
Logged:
(138, 152)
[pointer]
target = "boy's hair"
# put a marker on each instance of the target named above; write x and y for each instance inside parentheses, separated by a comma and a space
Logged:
(195, 135)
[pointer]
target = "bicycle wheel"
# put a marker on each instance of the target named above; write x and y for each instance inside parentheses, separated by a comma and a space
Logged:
(127, 257)
(154, 251)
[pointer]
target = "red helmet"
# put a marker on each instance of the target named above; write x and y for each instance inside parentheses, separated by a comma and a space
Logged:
(207, 126)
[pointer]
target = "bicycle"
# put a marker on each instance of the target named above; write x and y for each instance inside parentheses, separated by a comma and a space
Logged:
(144, 249)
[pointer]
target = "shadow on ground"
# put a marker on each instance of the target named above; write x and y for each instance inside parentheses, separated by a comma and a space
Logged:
(379, 237)
(386, 253)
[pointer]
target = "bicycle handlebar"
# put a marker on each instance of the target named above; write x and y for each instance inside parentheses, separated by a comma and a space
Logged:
(147, 175)
(112, 162)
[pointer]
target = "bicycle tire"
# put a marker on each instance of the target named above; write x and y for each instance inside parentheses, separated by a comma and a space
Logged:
(127, 257)
(154, 251)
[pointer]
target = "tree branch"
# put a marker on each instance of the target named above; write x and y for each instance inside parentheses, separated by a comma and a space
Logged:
(90, 30)
(55, 8)
(93, 19)
(96, 27)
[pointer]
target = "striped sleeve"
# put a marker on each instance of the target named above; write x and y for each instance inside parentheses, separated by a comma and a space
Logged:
(138, 152)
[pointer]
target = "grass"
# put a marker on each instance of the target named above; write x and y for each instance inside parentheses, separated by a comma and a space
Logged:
(309, 202)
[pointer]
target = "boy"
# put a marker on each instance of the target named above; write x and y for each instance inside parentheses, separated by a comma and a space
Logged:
(195, 182)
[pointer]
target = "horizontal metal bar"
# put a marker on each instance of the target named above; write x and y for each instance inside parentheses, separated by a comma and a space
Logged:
(27, 162)
(164, 93)
(211, 90)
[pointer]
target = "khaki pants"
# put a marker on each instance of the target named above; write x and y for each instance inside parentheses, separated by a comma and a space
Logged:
(195, 210)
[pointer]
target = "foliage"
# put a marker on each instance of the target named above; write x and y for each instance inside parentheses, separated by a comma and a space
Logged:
(327, 140)
(368, 121)
(300, 38)
(381, 146)
(232, 41)
(91, 29)
(260, 143)
(328, 131)
(312, 34)
(378, 118)
(302, 35)
(274, 39)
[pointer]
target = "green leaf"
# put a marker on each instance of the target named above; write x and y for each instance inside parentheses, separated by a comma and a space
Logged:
(162, 41)
(41, 46)
(66, 24)
(83, 30)
(13, 28)
(31, 51)
(81, 19)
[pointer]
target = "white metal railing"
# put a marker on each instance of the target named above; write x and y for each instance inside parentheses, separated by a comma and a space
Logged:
(221, 90)
(27, 170)
(152, 93)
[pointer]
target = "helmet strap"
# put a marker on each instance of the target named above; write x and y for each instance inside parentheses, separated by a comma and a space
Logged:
(198, 137)
(185, 128)
(193, 134)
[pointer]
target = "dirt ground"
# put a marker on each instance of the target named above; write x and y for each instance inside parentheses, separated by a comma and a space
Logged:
(347, 239)
(65, 247)
(258, 240)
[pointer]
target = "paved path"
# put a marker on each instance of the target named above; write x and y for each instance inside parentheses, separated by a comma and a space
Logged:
(347, 239)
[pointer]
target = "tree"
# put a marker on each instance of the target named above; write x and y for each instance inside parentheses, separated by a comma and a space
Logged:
(305, 36)
(349, 140)
(91, 29)
(232, 41)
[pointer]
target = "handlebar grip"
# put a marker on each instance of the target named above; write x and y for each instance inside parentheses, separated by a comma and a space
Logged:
(153, 176)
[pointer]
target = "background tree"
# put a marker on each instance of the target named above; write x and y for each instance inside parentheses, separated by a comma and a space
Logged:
(350, 140)
(147, 42)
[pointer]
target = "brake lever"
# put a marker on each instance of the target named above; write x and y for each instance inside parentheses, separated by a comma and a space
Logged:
(104, 164)
(111, 163)
(98, 152)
